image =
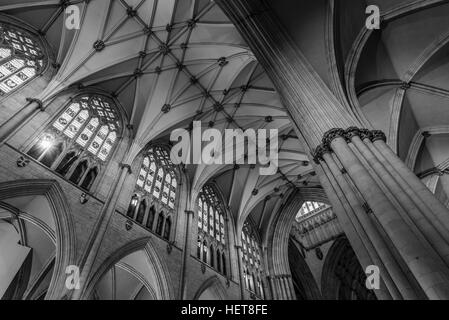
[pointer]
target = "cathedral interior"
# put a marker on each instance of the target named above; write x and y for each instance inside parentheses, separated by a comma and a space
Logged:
(88, 188)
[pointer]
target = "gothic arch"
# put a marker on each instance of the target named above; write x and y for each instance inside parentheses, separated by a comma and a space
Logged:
(43, 45)
(342, 276)
(301, 275)
(162, 276)
(212, 287)
(65, 237)
(279, 230)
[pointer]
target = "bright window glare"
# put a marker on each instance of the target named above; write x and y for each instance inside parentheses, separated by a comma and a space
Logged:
(310, 207)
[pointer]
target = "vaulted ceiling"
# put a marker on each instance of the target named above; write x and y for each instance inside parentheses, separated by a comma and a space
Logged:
(169, 63)
(172, 62)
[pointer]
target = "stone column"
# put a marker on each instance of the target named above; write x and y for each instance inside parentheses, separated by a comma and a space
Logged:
(274, 295)
(414, 242)
(389, 217)
(186, 253)
(240, 267)
(100, 230)
(291, 287)
(20, 118)
(286, 287)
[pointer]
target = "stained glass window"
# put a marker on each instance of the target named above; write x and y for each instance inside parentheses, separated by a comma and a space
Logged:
(92, 123)
(309, 208)
(157, 182)
(157, 176)
(251, 258)
(21, 58)
(87, 129)
(210, 216)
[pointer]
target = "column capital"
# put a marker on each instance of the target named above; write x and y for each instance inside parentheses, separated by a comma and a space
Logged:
(331, 135)
(378, 135)
(366, 134)
(38, 102)
(352, 132)
(319, 152)
(189, 212)
(126, 166)
(348, 135)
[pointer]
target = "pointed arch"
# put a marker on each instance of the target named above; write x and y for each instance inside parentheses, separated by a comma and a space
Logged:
(141, 211)
(343, 277)
(164, 286)
(151, 216)
(64, 225)
(211, 288)
(132, 206)
(167, 228)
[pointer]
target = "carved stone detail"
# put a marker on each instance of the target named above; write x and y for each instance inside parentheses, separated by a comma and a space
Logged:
(351, 132)
(331, 135)
(40, 104)
(378, 135)
(348, 134)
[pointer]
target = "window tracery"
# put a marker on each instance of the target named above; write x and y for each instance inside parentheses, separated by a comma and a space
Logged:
(80, 141)
(21, 58)
(156, 187)
(252, 261)
(211, 230)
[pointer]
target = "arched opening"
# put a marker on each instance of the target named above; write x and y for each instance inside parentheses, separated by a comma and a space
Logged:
(135, 272)
(223, 259)
(343, 277)
(66, 163)
(218, 261)
(198, 248)
(211, 289)
(21, 58)
(204, 251)
(132, 206)
(304, 283)
(160, 223)
(79, 172)
(89, 179)
(151, 215)
(51, 154)
(212, 261)
(36, 240)
(167, 228)
(141, 211)
(157, 181)
(211, 227)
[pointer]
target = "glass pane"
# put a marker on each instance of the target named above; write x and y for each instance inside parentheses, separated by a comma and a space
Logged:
(141, 178)
(98, 140)
(67, 117)
(76, 124)
(107, 146)
(88, 131)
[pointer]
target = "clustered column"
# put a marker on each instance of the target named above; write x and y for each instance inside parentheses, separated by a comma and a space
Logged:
(406, 224)
(390, 218)
(282, 287)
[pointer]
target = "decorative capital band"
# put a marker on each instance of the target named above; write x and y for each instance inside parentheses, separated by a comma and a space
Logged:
(331, 135)
(40, 104)
(348, 135)
(126, 166)
(378, 135)
(319, 152)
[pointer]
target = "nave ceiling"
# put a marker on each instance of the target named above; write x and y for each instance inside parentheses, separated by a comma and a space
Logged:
(172, 62)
